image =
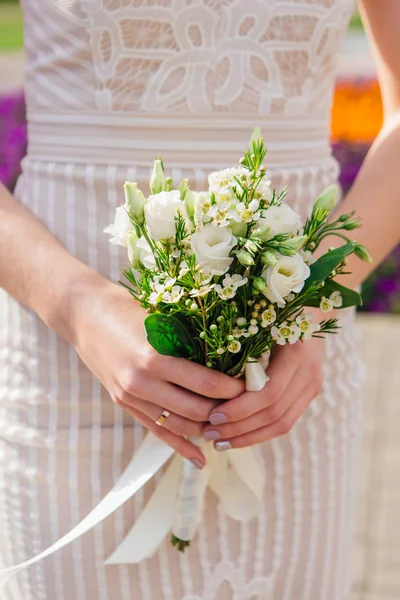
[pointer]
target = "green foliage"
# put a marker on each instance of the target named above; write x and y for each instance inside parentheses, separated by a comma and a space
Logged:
(169, 335)
(324, 266)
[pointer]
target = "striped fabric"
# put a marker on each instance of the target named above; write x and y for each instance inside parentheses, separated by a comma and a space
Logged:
(62, 441)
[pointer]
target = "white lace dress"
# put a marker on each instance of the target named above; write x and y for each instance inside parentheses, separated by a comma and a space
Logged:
(110, 84)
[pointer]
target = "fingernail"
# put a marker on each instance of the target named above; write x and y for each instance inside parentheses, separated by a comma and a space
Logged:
(225, 445)
(211, 434)
(217, 419)
(199, 465)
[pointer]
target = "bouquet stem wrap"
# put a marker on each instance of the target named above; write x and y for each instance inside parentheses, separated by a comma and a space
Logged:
(177, 502)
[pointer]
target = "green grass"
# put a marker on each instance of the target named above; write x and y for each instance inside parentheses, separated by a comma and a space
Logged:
(11, 29)
(356, 22)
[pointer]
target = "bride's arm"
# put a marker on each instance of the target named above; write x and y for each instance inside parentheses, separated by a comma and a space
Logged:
(105, 326)
(296, 370)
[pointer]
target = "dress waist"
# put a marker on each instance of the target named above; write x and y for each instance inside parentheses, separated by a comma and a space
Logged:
(122, 139)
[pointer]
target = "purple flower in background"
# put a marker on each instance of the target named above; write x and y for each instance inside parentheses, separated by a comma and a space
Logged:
(12, 137)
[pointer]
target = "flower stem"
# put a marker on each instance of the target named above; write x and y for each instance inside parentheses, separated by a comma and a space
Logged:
(181, 545)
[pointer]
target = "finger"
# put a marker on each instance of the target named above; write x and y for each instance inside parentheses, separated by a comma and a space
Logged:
(178, 443)
(264, 417)
(174, 423)
(280, 427)
(281, 372)
(166, 395)
(201, 380)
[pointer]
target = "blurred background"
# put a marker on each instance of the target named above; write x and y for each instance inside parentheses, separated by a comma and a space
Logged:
(356, 119)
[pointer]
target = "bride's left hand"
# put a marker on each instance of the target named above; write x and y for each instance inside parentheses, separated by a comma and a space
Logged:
(295, 380)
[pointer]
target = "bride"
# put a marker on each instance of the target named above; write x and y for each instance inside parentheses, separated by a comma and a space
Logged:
(111, 84)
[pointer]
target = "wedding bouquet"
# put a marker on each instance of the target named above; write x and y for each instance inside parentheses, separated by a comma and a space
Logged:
(227, 273)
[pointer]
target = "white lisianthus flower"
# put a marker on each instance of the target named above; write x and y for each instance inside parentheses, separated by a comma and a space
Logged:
(337, 299)
(144, 254)
(229, 286)
(160, 211)
(307, 326)
(286, 276)
(121, 227)
(212, 247)
(281, 219)
(288, 332)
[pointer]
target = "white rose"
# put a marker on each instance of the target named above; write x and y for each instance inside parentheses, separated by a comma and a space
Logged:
(288, 275)
(212, 246)
(121, 227)
(281, 219)
(160, 211)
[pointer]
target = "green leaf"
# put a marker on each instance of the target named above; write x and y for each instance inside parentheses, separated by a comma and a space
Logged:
(168, 335)
(324, 266)
(350, 297)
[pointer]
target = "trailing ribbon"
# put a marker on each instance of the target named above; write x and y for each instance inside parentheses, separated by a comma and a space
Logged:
(234, 476)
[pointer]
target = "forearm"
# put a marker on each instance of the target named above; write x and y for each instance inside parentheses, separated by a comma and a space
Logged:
(375, 198)
(37, 270)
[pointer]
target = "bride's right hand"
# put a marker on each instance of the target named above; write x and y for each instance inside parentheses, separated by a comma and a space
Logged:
(109, 336)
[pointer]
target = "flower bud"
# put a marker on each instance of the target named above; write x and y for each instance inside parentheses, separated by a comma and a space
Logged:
(135, 201)
(157, 181)
(168, 184)
(362, 253)
(259, 285)
(238, 229)
(133, 250)
(255, 136)
(189, 203)
(251, 246)
(268, 259)
(262, 232)
(297, 242)
(184, 186)
(245, 258)
(353, 224)
(327, 200)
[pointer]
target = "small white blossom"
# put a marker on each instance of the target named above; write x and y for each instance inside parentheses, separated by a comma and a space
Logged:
(202, 291)
(268, 317)
(336, 299)
(229, 286)
(237, 333)
(222, 182)
(288, 332)
(220, 350)
(326, 305)
(241, 321)
(307, 256)
(264, 190)
(306, 325)
(234, 347)
(246, 214)
(174, 295)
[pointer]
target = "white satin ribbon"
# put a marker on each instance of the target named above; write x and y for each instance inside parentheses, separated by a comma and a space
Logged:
(234, 476)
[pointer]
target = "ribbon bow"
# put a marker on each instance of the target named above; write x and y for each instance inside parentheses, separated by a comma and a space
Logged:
(234, 476)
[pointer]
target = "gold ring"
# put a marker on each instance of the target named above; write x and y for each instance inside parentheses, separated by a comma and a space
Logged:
(162, 418)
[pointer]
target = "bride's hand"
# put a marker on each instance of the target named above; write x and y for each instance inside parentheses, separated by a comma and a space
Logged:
(254, 417)
(110, 339)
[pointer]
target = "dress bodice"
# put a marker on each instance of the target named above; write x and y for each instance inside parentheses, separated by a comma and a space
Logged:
(226, 65)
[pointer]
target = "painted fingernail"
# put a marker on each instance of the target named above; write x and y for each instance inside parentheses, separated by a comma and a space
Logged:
(211, 434)
(197, 463)
(225, 445)
(217, 419)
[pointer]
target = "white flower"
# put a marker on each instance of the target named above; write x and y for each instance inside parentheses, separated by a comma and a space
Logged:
(287, 332)
(336, 299)
(212, 247)
(307, 256)
(173, 295)
(146, 256)
(160, 212)
(202, 204)
(221, 182)
(307, 326)
(121, 227)
(158, 291)
(326, 305)
(268, 317)
(237, 333)
(246, 214)
(229, 286)
(263, 190)
(281, 219)
(253, 329)
(202, 291)
(288, 275)
(234, 347)
(219, 214)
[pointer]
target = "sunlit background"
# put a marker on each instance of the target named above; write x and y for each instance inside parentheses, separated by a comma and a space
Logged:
(356, 119)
